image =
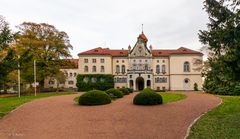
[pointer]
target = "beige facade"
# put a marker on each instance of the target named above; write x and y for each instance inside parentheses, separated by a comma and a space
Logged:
(141, 66)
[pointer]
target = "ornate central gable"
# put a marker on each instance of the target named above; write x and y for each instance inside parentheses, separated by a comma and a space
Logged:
(140, 49)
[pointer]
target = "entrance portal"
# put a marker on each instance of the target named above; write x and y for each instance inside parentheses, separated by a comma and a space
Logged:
(140, 83)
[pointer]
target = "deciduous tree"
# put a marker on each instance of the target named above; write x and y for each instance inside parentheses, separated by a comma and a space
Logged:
(47, 45)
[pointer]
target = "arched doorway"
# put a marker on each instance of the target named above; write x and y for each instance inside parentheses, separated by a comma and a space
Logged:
(140, 83)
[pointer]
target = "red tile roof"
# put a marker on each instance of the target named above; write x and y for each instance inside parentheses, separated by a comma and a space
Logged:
(105, 51)
(124, 53)
(179, 51)
(73, 63)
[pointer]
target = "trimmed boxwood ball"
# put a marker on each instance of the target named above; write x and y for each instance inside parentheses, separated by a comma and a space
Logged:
(124, 91)
(94, 97)
(147, 98)
(130, 90)
(115, 93)
(148, 90)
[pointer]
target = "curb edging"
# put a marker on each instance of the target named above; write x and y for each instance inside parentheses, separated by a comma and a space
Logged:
(195, 120)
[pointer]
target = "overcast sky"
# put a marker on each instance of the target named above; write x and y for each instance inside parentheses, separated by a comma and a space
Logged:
(114, 23)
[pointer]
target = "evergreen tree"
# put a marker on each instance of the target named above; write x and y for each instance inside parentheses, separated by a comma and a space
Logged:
(7, 54)
(223, 40)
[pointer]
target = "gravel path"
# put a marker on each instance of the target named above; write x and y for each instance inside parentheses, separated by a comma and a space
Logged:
(59, 118)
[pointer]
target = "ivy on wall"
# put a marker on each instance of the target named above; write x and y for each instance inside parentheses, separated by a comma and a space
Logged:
(86, 82)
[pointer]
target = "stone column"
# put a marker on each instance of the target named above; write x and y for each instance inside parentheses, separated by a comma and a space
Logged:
(152, 84)
(145, 83)
(134, 85)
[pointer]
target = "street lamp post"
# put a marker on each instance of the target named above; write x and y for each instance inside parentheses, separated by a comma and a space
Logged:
(35, 77)
(19, 80)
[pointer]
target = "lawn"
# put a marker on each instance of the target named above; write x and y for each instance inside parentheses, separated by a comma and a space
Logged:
(7, 104)
(222, 122)
(167, 97)
(172, 97)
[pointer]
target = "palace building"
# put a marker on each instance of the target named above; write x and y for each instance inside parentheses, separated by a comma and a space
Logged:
(139, 67)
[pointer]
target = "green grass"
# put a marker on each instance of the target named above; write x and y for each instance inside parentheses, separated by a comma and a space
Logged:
(8, 104)
(172, 97)
(222, 122)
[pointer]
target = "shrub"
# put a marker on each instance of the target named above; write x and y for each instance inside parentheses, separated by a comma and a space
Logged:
(124, 91)
(195, 87)
(148, 90)
(147, 98)
(130, 90)
(114, 93)
(94, 97)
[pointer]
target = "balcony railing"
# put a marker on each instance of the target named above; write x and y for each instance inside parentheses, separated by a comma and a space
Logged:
(134, 71)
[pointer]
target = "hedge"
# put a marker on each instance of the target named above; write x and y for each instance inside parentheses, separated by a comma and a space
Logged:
(103, 82)
(124, 91)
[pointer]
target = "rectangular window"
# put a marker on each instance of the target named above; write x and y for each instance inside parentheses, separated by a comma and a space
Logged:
(161, 80)
(120, 80)
(85, 60)
(102, 60)
(70, 82)
(102, 69)
(51, 82)
(94, 60)
(94, 69)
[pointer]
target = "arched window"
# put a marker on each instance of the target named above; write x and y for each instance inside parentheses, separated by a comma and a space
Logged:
(123, 69)
(94, 80)
(102, 69)
(75, 74)
(163, 69)
(186, 81)
(94, 69)
(157, 69)
(117, 69)
(186, 67)
(85, 68)
(71, 74)
(85, 79)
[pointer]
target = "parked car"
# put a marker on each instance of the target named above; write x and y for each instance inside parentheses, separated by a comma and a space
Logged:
(9, 91)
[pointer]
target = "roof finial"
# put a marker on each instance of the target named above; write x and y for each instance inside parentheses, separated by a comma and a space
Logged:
(142, 28)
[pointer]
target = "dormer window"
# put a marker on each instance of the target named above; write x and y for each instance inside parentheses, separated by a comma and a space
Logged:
(95, 50)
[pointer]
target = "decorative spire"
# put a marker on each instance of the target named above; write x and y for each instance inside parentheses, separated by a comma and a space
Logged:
(142, 28)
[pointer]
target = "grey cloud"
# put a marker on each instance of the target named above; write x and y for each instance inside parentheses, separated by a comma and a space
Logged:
(114, 23)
